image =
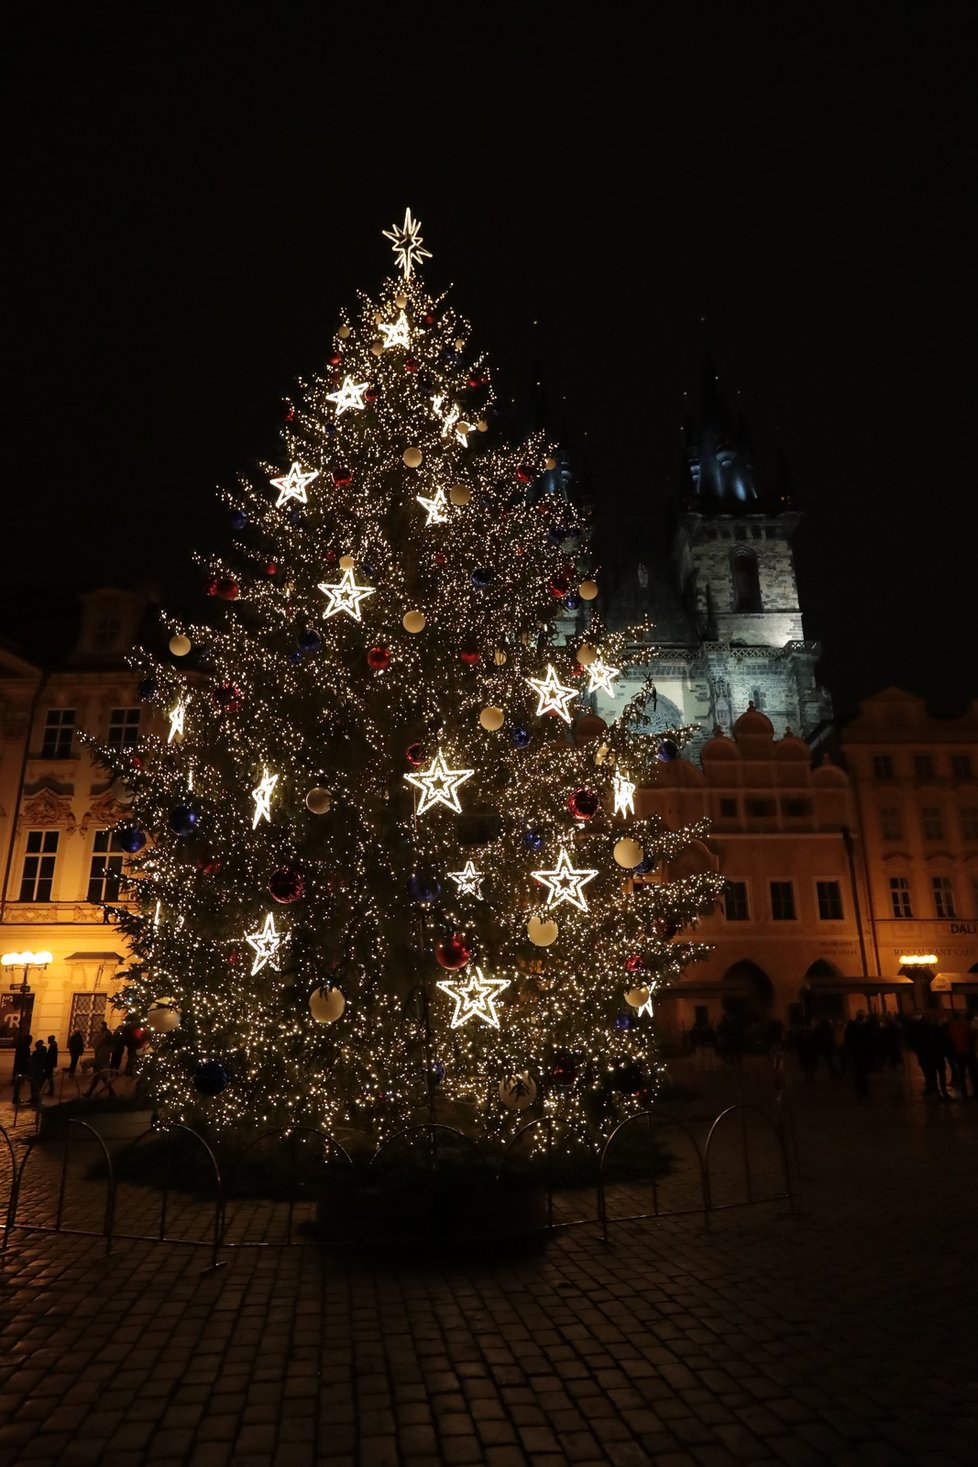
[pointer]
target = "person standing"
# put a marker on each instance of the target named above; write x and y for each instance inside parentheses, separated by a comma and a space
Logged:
(37, 1069)
(76, 1048)
(858, 1046)
(961, 1053)
(51, 1061)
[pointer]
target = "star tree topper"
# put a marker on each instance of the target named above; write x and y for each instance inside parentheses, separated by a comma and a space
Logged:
(624, 794)
(349, 396)
(439, 785)
(293, 485)
(262, 796)
(475, 998)
(553, 696)
(266, 944)
(601, 676)
(468, 880)
(565, 883)
(346, 596)
(406, 239)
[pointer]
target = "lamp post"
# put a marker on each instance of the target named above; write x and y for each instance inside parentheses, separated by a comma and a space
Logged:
(920, 965)
(27, 961)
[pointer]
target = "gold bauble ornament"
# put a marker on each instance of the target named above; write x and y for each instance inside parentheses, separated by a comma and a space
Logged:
(377, 347)
(376, 318)
(346, 562)
(482, 426)
(628, 853)
(517, 1092)
(412, 457)
(400, 301)
(638, 997)
(459, 342)
(343, 332)
(319, 801)
(413, 621)
(542, 931)
(180, 645)
(586, 653)
(326, 1005)
(587, 590)
(463, 428)
(460, 494)
(499, 657)
(550, 463)
(492, 719)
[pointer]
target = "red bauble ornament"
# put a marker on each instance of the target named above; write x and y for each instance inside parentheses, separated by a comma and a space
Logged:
(228, 590)
(227, 697)
(559, 586)
(525, 473)
(137, 761)
(372, 393)
(583, 804)
(286, 884)
(440, 558)
(429, 318)
(635, 964)
(330, 557)
(290, 413)
(378, 658)
(138, 1035)
(472, 380)
(209, 864)
(271, 569)
(211, 588)
(416, 755)
(452, 952)
(410, 365)
(470, 656)
(665, 929)
(577, 670)
(342, 477)
(335, 358)
(234, 957)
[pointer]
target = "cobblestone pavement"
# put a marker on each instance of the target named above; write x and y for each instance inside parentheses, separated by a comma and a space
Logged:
(845, 1334)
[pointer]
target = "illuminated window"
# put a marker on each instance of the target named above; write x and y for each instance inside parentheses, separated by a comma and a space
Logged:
(882, 766)
(961, 766)
(59, 730)
(735, 901)
(829, 901)
(891, 826)
(943, 896)
(782, 901)
(37, 877)
(969, 822)
(923, 766)
(900, 897)
(931, 823)
(123, 727)
(747, 590)
(105, 869)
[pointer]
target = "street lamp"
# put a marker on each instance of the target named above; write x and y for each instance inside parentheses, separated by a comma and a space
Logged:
(27, 961)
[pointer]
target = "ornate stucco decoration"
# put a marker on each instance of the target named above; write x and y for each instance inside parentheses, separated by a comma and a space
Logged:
(45, 810)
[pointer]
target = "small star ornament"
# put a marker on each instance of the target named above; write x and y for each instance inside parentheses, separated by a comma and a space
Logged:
(553, 696)
(624, 792)
(437, 507)
(600, 675)
(266, 944)
(468, 880)
(293, 485)
(439, 785)
(396, 335)
(177, 716)
(565, 883)
(349, 396)
(262, 796)
(475, 998)
(345, 596)
(406, 239)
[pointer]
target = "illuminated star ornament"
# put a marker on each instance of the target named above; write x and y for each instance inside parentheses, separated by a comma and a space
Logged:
(262, 796)
(349, 396)
(437, 507)
(293, 485)
(468, 880)
(396, 335)
(646, 1007)
(565, 883)
(449, 417)
(601, 676)
(624, 794)
(266, 944)
(554, 697)
(346, 596)
(475, 998)
(177, 716)
(406, 239)
(439, 785)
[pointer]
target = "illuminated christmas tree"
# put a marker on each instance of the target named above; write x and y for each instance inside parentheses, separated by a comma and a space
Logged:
(387, 864)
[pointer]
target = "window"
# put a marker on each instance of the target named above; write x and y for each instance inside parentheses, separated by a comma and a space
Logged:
(891, 826)
(59, 730)
(829, 901)
(923, 766)
(931, 823)
(882, 766)
(782, 901)
(747, 591)
(38, 874)
(123, 727)
(796, 808)
(735, 901)
(757, 697)
(943, 896)
(105, 870)
(961, 766)
(900, 897)
(107, 631)
(969, 822)
(760, 808)
(728, 809)
(87, 1014)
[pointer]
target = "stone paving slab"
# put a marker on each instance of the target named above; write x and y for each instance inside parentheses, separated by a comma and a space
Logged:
(843, 1335)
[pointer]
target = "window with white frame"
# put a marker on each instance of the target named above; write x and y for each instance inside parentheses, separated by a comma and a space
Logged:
(891, 825)
(105, 869)
(782, 901)
(931, 823)
(900, 905)
(882, 766)
(943, 896)
(969, 822)
(59, 731)
(123, 727)
(829, 901)
(40, 859)
(923, 766)
(735, 907)
(961, 766)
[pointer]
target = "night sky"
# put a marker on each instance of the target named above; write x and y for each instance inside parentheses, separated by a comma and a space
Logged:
(195, 199)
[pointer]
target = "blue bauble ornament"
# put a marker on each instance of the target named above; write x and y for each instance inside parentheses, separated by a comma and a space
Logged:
(238, 520)
(556, 535)
(130, 839)
(572, 602)
(519, 737)
(148, 690)
(309, 640)
(623, 1021)
(423, 887)
(668, 751)
(644, 866)
(533, 838)
(437, 1072)
(184, 819)
(210, 1077)
(482, 578)
(329, 429)
(295, 656)
(294, 516)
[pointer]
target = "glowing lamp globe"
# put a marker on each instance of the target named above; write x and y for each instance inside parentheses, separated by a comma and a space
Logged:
(378, 658)
(286, 884)
(628, 853)
(163, 1017)
(492, 719)
(452, 952)
(346, 562)
(518, 1092)
(414, 621)
(319, 801)
(586, 654)
(638, 997)
(460, 494)
(542, 931)
(412, 458)
(180, 645)
(587, 590)
(326, 1005)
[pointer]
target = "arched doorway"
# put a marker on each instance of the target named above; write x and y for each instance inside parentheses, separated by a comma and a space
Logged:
(820, 997)
(748, 999)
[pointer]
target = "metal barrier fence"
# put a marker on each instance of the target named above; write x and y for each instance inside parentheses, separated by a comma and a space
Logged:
(212, 1217)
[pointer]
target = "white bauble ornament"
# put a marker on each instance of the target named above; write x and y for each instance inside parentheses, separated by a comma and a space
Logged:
(542, 931)
(121, 792)
(163, 1016)
(343, 332)
(319, 801)
(482, 426)
(586, 654)
(587, 590)
(492, 719)
(460, 494)
(499, 657)
(459, 342)
(517, 1092)
(346, 562)
(412, 457)
(638, 997)
(326, 1005)
(628, 853)
(180, 645)
(413, 621)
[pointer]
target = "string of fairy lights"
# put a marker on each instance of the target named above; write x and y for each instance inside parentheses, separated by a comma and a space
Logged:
(387, 862)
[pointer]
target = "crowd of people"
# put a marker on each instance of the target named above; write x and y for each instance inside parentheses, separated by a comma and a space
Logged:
(36, 1063)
